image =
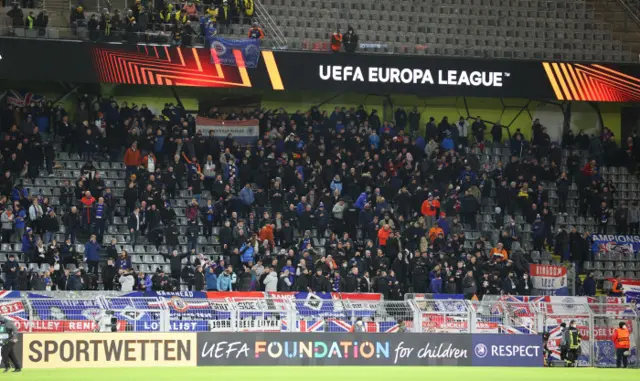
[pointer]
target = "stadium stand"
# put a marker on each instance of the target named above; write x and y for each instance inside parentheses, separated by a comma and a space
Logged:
(570, 30)
(404, 210)
(540, 29)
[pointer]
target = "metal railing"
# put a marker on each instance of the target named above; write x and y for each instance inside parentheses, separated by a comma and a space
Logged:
(277, 38)
(632, 9)
(72, 312)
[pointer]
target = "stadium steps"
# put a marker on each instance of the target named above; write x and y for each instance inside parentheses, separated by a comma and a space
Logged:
(623, 27)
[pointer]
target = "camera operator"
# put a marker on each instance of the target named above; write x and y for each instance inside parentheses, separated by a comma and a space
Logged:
(8, 340)
(107, 322)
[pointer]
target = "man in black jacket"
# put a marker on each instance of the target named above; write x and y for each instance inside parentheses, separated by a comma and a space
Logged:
(134, 224)
(350, 41)
(382, 284)
(10, 269)
(319, 282)
(109, 273)
(72, 223)
(175, 262)
(352, 283)
(171, 234)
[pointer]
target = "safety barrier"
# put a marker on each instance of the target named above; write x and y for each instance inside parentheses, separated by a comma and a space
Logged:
(237, 314)
(126, 350)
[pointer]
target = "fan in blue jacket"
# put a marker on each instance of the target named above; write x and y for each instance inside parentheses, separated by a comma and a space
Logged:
(246, 253)
(92, 251)
(361, 201)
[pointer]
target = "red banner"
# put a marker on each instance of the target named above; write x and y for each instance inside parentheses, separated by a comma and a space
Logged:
(62, 326)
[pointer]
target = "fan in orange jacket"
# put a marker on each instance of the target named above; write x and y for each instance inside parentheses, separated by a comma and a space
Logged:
(499, 253)
(267, 233)
(132, 156)
(434, 232)
(383, 234)
(430, 206)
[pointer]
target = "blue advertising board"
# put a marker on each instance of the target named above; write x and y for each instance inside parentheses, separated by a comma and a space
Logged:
(507, 350)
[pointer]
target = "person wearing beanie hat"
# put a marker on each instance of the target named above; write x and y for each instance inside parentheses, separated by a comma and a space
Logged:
(623, 344)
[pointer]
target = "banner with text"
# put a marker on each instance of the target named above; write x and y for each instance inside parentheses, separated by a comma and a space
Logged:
(247, 349)
(625, 244)
(549, 279)
(521, 350)
(112, 350)
(246, 131)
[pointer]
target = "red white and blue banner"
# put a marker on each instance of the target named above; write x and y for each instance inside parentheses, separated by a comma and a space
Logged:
(549, 280)
(606, 243)
(198, 311)
(631, 290)
(22, 98)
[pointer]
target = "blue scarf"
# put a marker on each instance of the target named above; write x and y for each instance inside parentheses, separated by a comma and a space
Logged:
(99, 210)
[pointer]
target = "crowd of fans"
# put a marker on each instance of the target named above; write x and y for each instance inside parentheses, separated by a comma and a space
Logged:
(324, 201)
(181, 20)
(178, 22)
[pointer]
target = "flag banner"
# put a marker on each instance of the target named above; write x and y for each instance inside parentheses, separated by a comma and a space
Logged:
(234, 52)
(245, 131)
(549, 279)
(631, 290)
(39, 326)
(22, 98)
(625, 244)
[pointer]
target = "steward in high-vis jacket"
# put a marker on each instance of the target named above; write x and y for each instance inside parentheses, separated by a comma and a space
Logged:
(573, 340)
(8, 340)
(622, 343)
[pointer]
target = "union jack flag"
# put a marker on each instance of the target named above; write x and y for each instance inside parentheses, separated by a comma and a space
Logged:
(311, 326)
(22, 98)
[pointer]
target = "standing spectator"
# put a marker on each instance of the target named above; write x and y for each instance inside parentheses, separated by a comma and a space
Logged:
(211, 278)
(132, 159)
(127, 280)
(225, 280)
(603, 214)
(123, 262)
(76, 282)
(134, 225)
(621, 216)
(7, 220)
(35, 215)
(72, 224)
(199, 279)
(563, 184)
(469, 285)
(108, 275)
(589, 285)
(20, 220)
(50, 226)
(247, 198)
(92, 254)
(10, 268)
(87, 204)
(634, 218)
(525, 285)
(430, 208)
(175, 263)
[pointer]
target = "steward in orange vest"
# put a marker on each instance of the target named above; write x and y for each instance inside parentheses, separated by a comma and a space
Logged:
(336, 41)
(622, 344)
